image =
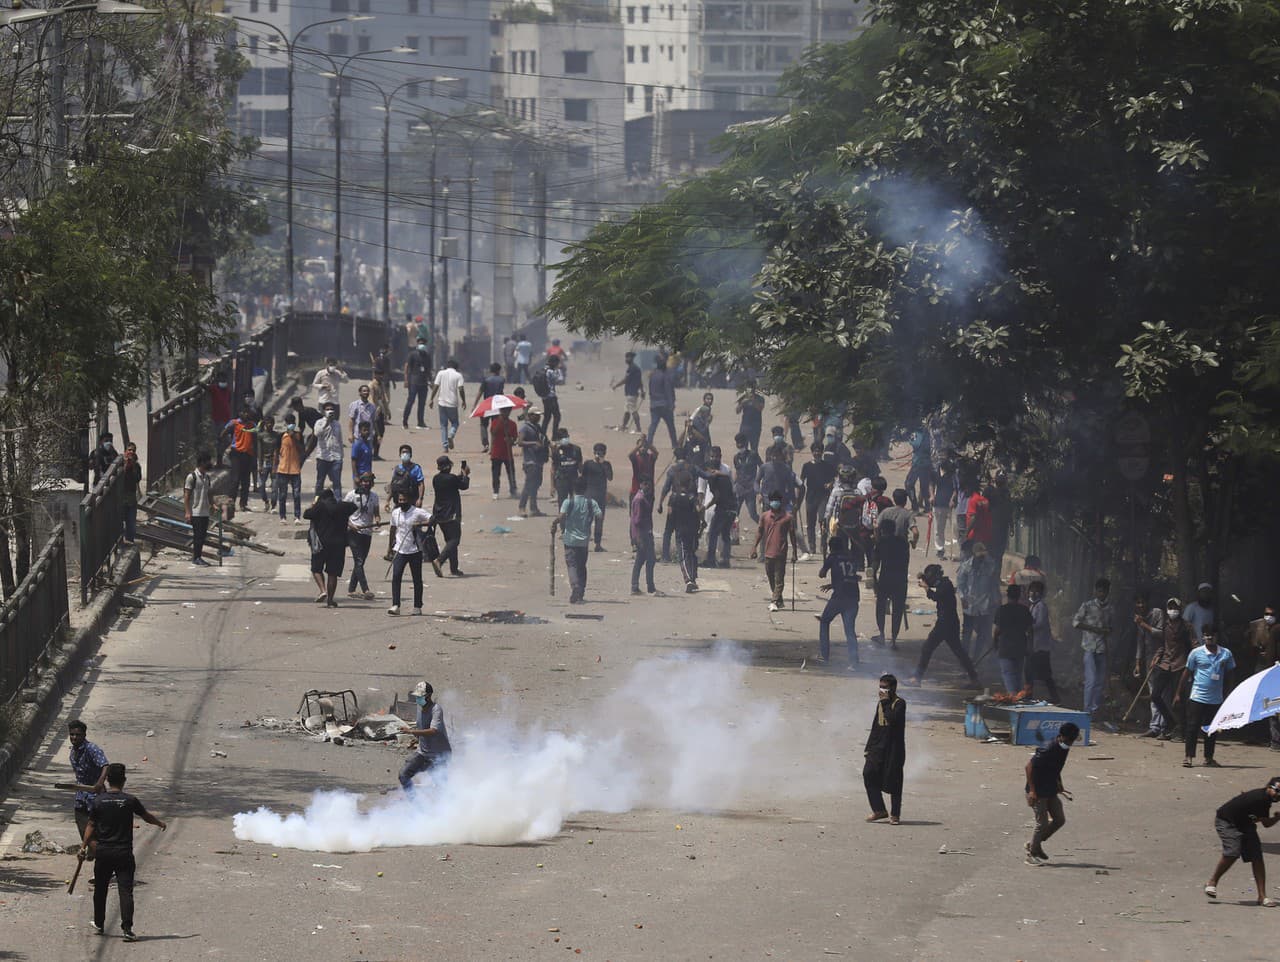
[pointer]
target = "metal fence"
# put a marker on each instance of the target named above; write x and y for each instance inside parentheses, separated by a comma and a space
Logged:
(173, 431)
(34, 615)
(101, 526)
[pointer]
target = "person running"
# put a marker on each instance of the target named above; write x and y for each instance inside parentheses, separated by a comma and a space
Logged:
(503, 434)
(111, 828)
(406, 538)
(845, 564)
(680, 491)
(360, 532)
(1043, 788)
(777, 529)
(534, 452)
(449, 390)
(446, 513)
(417, 382)
(328, 539)
(1040, 664)
(642, 537)
(1236, 823)
(197, 501)
(632, 383)
(885, 754)
(433, 749)
(577, 517)
(946, 628)
(89, 765)
(1207, 668)
(1012, 639)
(598, 473)
(724, 509)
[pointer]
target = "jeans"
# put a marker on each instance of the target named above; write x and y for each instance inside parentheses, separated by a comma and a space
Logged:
(813, 524)
(748, 500)
(266, 485)
(776, 570)
(662, 416)
(975, 635)
(283, 483)
(414, 563)
(418, 394)
(522, 373)
(418, 762)
(875, 797)
(1049, 818)
(130, 522)
(947, 633)
(922, 475)
(1198, 714)
(721, 526)
(199, 532)
(448, 425)
(551, 415)
(645, 558)
(1164, 685)
(242, 469)
(495, 469)
(941, 520)
(332, 471)
(1040, 668)
(452, 532)
(359, 552)
(599, 525)
(532, 482)
(846, 606)
(1095, 679)
(1011, 673)
(575, 562)
(122, 866)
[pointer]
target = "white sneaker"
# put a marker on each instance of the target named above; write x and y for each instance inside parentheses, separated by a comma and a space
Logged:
(416, 611)
(773, 606)
(495, 497)
(805, 556)
(393, 610)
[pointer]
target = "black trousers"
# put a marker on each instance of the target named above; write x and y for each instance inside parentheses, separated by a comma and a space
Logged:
(420, 395)
(1197, 715)
(243, 466)
(452, 531)
(414, 563)
(949, 634)
(599, 528)
(687, 548)
(551, 415)
(495, 470)
(890, 597)
(122, 866)
(662, 416)
(199, 532)
(871, 781)
(359, 552)
(1040, 668)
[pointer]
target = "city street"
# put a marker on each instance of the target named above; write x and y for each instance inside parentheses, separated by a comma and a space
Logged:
(775, 863)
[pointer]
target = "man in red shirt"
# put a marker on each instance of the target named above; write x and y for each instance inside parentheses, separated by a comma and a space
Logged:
(502, 442)
(777, 529)
(978, 517)
(643, 457)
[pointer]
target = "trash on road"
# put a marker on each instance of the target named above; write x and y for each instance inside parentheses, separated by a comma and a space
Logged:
(499, 529)
(35, 843)
(217, 754)
(505, 616)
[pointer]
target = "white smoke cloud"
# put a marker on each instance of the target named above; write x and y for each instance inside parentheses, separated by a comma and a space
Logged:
(683, 733)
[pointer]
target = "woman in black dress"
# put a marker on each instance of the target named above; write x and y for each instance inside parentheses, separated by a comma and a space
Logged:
(886, 752)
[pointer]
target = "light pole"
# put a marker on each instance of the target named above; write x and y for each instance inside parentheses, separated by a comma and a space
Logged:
(289, 44)
(471, 177)
(444, 328)
(431, 264)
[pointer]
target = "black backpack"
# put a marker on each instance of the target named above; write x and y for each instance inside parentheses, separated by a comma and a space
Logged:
(402, 481)
(541, 386)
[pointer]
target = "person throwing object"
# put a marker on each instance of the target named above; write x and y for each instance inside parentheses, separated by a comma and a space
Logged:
(1236, 822)
(433, 739)
(1044, 786)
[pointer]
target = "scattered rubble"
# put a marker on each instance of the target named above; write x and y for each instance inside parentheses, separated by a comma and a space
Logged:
(36, 844)
(502, 617)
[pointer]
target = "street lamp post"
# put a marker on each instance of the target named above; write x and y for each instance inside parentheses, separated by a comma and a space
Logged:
(444, 328)
(471, 172)
(289, 45)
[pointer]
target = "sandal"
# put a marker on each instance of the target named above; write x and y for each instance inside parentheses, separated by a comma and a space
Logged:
(1211, 891)
(876, 816)
(1268, 903)
(893, 820)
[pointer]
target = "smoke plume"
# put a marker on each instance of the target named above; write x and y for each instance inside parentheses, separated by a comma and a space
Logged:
(682, 733)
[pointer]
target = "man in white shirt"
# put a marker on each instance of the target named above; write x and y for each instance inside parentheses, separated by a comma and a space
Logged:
(329, 450)
(524, 353)
(326, 382)
(360, 532)
(448, 388)
(197, 498)
(404, 549)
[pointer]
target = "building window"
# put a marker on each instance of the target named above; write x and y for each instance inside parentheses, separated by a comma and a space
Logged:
(671, 11)
(273, 6)
(631, 93)
(413, 42)
(533, 61)
(631, 54)
(412, 91)
(451, 89)
(338, 43)
(253, 44)
(339, 6)
(644, 14)
(273, 46)
(253, 6)
(513, 62)
(577, 110)
(523, 61)
(448, 46)
(631, 14)
(644, 53)
(715, 53)
(671, 51)
(364, 43)
(579, 157)
(413, 7)
(533, 108)
(648, 98)
(575, 61)
(275, 123)
(275, 81)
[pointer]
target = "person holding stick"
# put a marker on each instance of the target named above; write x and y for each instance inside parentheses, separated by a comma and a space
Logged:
(1043, 788)
(89, 763)
(405, 548)
(1236, 823)
(111, 825)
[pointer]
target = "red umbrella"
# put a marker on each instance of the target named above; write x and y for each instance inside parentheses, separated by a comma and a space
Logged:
(492, 405)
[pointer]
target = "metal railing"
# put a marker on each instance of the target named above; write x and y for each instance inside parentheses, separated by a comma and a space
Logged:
(101, 526)
(34, 615)
(173, 431)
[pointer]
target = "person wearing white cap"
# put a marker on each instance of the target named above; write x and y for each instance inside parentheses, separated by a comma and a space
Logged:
(1201, 612)
(433, 739)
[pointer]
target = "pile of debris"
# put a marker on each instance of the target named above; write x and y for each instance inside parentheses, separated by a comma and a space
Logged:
(505, 616)
(336, 715)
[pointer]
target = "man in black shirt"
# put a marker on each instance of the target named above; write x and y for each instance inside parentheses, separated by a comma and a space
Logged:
(1044, 785)
(723, 508)
(447, 512)
(816, 479)
(946, 628)
(103, 456)
(417, 379)
(1237, 825)
(598, 473)
(632, 384)
(1012, 639)
(894, 555)
(566, 465)
(111, 826)
(328, 536)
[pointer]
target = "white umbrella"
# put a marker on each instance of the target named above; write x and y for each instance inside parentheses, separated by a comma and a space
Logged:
(1255, 698)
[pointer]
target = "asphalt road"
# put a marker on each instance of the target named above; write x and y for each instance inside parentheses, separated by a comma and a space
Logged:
(724, 812)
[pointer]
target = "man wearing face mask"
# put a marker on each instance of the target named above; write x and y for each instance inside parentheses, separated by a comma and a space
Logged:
(329, 451)
(777, 530)
(1263, 641)
(417, 381)
(433, 739)
(327, 381)
(407, 477)
(1207, 667)
(360, 532)
(886, 753)
(567, 465)
(103, 456)
(1166, 669)
(1043, 788)
(447, 511)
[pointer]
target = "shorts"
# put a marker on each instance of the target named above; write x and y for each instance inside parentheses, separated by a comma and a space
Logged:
(1237, 844)
(330, 561)
(633, 404)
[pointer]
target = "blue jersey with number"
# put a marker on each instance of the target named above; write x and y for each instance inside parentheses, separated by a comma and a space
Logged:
(846, 570)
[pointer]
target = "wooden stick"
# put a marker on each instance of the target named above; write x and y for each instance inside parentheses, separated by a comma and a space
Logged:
(79, 865)
(1141, 688)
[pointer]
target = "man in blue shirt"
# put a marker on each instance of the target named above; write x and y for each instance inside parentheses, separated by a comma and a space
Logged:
(845, 563)
(577, 518)
(433, 738)
(89, 762)
(362, 451)
(662, 400)
(1208, 666)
